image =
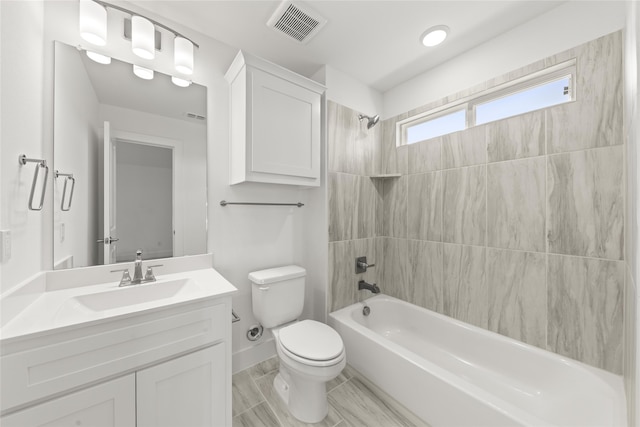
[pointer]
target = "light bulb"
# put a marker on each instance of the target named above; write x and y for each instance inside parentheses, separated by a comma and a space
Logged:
(143, 73)
(93, 22)
(183, 55)
(99, 58)
(143, 37)
(180, 82)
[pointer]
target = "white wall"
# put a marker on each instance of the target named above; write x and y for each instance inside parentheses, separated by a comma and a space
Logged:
(566, 26)
(346, 90)
(21, 132)
(77, 142)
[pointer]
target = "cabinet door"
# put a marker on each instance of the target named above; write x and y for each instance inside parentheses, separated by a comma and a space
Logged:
(189, 391)
(285, 127)
(111, 404)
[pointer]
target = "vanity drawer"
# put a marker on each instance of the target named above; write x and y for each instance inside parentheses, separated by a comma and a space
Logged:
(88, 356)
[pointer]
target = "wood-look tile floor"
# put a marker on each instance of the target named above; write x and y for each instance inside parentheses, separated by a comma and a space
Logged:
(353, 402)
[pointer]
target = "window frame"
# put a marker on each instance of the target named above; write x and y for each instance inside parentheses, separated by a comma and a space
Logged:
(469, 103)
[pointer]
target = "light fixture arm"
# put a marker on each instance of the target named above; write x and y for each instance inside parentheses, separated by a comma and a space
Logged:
(154, 22)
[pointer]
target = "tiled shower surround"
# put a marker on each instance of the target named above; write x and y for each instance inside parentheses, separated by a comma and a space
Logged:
(515, 226)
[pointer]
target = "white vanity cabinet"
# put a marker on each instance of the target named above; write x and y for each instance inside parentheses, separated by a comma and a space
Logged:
(111, 404)
(186, 391)
(276, 119)
(168, 367)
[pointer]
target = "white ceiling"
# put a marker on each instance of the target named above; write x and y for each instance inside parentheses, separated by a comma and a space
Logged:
(374, 41)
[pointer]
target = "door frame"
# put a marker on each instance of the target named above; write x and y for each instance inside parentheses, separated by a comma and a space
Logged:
(178, 201)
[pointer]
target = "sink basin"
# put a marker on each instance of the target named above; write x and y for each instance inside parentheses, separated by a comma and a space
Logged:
(137, 294)
(121, 299)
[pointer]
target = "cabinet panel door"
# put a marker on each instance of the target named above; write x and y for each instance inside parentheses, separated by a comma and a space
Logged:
(189, 391)
(285, 127)
(111, 404)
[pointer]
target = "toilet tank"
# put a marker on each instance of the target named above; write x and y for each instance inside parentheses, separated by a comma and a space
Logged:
(277, 294)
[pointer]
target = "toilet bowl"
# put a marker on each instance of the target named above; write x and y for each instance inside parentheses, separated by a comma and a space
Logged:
(310, 352)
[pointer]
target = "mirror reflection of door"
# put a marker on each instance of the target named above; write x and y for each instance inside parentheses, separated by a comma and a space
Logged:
(144, 194)
(141, 175)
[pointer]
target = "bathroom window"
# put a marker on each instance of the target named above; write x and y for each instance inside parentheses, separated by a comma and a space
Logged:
(436, 126)
(535, 98)
(546, 88)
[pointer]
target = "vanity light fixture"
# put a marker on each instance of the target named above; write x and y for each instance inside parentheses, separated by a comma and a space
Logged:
(183, 55)
(142, 72)
(93, 28)
(180, 82)
(93, 22)
(143, 37)
(434, 35)
(98, 57)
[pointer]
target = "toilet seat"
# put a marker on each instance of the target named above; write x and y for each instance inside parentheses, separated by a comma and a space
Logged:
(311, 343)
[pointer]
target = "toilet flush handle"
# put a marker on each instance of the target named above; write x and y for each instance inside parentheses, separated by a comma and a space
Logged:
(263, 288)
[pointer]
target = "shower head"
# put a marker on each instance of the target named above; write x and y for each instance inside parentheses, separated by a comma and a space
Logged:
(371, 121)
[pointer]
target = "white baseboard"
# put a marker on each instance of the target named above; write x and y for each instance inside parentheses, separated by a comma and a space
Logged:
(247, 357)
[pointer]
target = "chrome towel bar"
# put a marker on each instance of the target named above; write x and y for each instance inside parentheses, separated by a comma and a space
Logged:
(68, 177)
(23, 160)
(225, 203)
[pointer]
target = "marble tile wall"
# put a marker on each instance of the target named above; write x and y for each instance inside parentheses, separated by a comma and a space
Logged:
(355, 203)
(516, 226)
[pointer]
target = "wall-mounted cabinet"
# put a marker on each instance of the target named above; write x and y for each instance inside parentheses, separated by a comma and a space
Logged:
(276, 119)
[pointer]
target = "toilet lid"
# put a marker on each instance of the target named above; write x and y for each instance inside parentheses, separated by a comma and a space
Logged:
(311, 340)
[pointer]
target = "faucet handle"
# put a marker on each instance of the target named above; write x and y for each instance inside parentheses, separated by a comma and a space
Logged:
(149, 276)
(361, 264)
(126, 277)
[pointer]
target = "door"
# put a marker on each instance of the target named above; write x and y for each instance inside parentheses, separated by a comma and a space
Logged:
(111, 404)
(187, 391)
(109, 202)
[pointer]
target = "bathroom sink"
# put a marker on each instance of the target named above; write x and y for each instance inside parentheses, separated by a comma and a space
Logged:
(137, 294)
(119, 300)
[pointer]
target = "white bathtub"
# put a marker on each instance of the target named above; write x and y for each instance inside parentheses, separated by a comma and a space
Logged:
(450, 373)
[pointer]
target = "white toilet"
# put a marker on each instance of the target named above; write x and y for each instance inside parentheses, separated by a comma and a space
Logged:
(311, 353)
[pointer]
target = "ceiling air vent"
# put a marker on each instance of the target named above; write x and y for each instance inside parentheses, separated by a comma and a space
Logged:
(296, 21)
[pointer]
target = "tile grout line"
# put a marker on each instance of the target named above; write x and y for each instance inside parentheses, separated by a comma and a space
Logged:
(546, 230)
(273, 411)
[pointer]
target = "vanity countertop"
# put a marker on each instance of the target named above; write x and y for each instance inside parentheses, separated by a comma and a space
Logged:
(46, 308)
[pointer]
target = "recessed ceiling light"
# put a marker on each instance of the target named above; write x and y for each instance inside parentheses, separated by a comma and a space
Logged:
(434, 35)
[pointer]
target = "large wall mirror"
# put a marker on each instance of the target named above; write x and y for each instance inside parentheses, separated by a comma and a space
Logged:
(130, 157)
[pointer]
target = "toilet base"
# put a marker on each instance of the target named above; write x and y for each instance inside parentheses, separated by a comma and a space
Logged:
(306, 400)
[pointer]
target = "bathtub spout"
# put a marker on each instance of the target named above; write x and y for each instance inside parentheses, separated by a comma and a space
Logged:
(368, 286)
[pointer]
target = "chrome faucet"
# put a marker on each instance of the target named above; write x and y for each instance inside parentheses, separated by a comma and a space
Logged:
(137, 269)
(126, 279)
(368, 286)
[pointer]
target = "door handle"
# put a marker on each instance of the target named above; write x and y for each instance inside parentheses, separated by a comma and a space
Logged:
(107, 240)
